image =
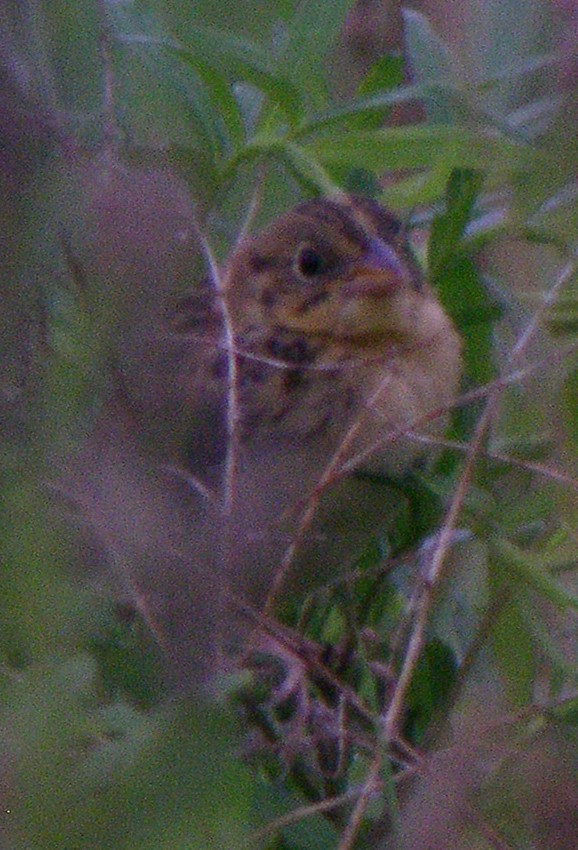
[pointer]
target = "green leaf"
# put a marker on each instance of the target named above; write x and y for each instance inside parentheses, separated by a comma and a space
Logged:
(557, 215)
(466, 300)
(334, 626)
(521, 632)
(378, 604)
(356, 111)
(220, 95)
(312, 32)
(512, 36)
(438, 146)
(239, 59)
(463, 293)
(567, 711)
(229, 56)
(570, 402)
(562, 667)
(425, 187)
(384, 75)
(563, 315)
(347, 115)
(158, 88)
(463, 598)
(159, 94)
(456, 278)
(512, 640)
(432, 682)
(130, 663)
(307, 168)
(514, 33)
(273, 801)
(478, 352)
(55, 46)
(532, 570)
(448, 228)
(167, 780)
(431, 61)
(356, 181)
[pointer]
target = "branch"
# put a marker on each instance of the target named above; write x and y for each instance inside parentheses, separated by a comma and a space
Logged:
(445, 539)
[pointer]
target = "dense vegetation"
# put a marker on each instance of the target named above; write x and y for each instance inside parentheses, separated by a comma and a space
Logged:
(442, 711)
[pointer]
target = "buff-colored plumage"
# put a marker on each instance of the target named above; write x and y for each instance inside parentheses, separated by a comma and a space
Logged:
(339, 342)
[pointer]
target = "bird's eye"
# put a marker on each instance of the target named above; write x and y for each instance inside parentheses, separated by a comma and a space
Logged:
(309, 262)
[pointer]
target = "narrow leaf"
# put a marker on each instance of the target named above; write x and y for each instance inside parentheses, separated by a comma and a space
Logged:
(448, 228)
(431, 61)
(309, 168)
(221, 95)
(233, 57)
(384, 75)
(240, 59)
(570, 401)
(311, 34)
(420, 147)
(530, 569)
(513, 647)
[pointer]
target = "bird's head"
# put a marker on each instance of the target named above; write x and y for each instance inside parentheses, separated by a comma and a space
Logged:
(340, 269)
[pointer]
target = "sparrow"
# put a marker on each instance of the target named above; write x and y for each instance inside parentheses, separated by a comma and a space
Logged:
(319, 345)
(324, 344)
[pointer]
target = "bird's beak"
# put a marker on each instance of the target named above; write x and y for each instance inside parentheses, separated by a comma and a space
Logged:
(378, 273)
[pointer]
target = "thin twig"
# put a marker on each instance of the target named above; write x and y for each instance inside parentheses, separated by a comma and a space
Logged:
(111, 134)
(516, 376)
(256, 357)
(233, 414)
(439, 557)
(527, 465)
(305, 812)
(233, 407)
(253, 207)
(191, 480)
(233, 411)
(347, 576)
(338, 467)
(399, 636)
(306, 652)
(551, 360)
(327, 477)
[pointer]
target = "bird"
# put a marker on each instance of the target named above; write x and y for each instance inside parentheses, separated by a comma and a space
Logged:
(287, 372)
(320, 343)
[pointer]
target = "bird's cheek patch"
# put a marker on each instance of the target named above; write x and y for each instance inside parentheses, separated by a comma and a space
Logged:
(357, 316)
(318, 317)
(360, 317)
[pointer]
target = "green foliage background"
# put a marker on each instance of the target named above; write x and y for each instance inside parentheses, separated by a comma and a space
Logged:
(243, 100)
